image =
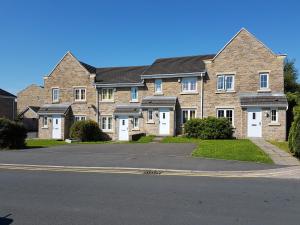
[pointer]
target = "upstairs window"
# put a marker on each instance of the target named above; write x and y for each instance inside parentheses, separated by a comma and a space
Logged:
(134, 94)
(188, 114)
(45, 121)
(264, 80)
(274, 116)
(79, 118)
(225, 82)
(158, 86)
(225, 113)
(55, 95)
(107, 94)
(80, 94)
(189, 84)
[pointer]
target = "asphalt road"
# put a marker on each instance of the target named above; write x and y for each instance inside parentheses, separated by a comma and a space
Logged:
(56, 198)
(163, 156)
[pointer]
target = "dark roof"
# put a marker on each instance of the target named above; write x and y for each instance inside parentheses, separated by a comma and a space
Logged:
(89, 68)
(264, 100)
(132, 109)
(156, 101)
(34, 108)
(131, 74)
(6, 94)
(54, 109)
(187, 64)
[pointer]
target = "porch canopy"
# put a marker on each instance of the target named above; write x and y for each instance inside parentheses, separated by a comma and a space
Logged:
(127, 110)
(54, 109)
(159, 102)
(263, 100)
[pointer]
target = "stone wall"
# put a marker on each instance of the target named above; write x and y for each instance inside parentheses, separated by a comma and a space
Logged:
(33, 95)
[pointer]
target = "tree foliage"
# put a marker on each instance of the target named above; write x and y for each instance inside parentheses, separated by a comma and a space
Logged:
(290, 76)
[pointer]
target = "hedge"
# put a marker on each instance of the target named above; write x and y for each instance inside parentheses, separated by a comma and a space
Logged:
(12, 134)
(86, 130)
(209, 128)
(294, 135)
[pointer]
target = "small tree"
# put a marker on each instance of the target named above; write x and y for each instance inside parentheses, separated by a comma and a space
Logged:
(294, 135)
(290, 76)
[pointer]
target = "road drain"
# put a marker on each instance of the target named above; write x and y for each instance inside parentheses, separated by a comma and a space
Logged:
(153, 172)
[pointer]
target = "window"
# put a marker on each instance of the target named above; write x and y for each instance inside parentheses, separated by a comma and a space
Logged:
(188, 114)
(106, 123)
(264, 80)
(80, 94)
(79, 118)
(107, 94)
(225, 82)
(274, 116)
(55, 95)
(134, 94)
(189, 84)
(45, 121)
(158, 86)
(135, 122)
(150, 115)
(225, 113)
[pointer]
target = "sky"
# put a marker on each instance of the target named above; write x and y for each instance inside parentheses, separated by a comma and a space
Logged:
(34, 35)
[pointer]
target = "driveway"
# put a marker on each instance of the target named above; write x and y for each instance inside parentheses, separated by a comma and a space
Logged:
(154, 155)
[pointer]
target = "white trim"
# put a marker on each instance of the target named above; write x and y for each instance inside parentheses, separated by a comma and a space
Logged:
(106, 124)
(225, 110)
(133, 123)
(188, 110)
(80, 89)
(268, 81)
(80, 116)
(276, 121)
(225, 76)
(58, 94)
(148, 120)
(45, 118)
(161, 86)
(189, 83)
(137, 94)
(108, 99)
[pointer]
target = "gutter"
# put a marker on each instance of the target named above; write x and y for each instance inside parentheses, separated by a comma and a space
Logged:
(153, 76)
(112, 85)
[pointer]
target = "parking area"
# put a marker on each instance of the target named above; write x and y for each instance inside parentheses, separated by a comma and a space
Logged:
(153, 155)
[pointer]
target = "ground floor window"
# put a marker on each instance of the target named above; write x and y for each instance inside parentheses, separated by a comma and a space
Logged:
(226, 113)
(135, 122)
(106, 123)
(150, 115)
(79, 118)
(188, 114)
(274, 116)
(45, 121)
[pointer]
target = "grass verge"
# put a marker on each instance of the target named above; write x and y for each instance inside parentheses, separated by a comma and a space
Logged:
(241, 150)
(43, 143)
(282, 145)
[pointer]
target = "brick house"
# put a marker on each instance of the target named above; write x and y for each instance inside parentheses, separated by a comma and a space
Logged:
(242, 82)
(8, 105)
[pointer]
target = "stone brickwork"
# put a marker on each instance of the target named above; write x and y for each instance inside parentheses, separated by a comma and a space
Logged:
(8, 107)
(33, 95)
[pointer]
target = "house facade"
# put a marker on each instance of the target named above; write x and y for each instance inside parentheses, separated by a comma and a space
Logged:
(8, 105)
(242, 82)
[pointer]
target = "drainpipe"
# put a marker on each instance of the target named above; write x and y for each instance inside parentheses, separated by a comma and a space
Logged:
(97, 91)
(202, 92)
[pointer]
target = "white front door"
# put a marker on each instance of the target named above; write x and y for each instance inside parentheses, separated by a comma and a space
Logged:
(123, 128)
(254, 122)
(56, 127)
(164, 121)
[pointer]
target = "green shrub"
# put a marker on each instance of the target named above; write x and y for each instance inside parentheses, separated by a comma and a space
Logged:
(86, 130)
(209, 128)
(12, 134)
(294, 135)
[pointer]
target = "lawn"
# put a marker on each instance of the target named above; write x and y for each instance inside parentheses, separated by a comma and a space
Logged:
(282, 145)
(43, 143)
(242, 150)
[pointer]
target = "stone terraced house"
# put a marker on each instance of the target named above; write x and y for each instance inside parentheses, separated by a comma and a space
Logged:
(242, 82)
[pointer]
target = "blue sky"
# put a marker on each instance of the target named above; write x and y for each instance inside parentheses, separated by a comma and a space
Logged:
(34, 35)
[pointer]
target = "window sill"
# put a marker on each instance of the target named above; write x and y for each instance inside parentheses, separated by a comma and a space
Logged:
(108, 131)
(80, 101)
(134, 101)
(189, 93)
(160, 93)
(136, 129)
(225, 92)
(45, 127)
(107, 101)
(55, 102)
(150, 122)
(274, 124)
(264, 90)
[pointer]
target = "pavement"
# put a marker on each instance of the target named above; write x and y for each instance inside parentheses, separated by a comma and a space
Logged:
(47, 198)
(278, 156)
(159, 156)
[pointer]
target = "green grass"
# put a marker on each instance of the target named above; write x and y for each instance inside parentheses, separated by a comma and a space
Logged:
(282, 145)
(43, 143)
(144, 139)
(241, 150)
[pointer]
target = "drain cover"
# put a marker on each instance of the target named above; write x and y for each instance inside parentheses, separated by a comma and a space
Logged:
(153, 172)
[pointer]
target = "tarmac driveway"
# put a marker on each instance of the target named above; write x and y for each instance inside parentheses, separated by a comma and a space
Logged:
(153, 155)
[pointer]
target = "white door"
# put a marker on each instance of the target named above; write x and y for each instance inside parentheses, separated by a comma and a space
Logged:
(56, 127)
(123, 128)
(164, 121)
(254, 122)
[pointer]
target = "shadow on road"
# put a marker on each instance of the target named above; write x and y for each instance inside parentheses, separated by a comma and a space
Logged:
(6, 221)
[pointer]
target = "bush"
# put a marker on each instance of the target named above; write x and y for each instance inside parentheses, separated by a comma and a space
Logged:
(209, 128)
(12, 134)
(86, 130)
(294, 135)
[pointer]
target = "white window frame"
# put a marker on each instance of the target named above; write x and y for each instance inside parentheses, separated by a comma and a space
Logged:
(104, 126)
(137, 94)
(148, 119)
(156, 81)
(57, 94)
(189, 113)
(79, 117)
(135, 122)
(45, 121)
(80, 98)
(224, 83)
(260, 76)
(189, 81)
(276, 110)
(107, 94)
(225, 113)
